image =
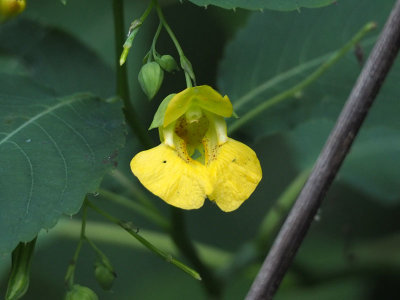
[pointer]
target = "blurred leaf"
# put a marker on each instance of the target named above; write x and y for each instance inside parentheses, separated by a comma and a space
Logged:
(344, 289)
(372, 165)
(268, 4)
(56, 59)
(53, 150)
(265, 59)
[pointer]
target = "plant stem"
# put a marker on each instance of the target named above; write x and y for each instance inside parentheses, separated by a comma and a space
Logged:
(134, 190)
(128, 227)
(251, 114)
(155, 38)
(330, 159)
(153, 215)
(179, 235)
(173, 38)
(69, 277)
(122, 77)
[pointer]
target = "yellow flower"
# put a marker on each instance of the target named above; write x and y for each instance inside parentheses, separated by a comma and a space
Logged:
(11, 8)
(196, 159)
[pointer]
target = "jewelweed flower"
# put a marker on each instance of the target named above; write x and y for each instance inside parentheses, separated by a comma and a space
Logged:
(196, 159)
(11, 8)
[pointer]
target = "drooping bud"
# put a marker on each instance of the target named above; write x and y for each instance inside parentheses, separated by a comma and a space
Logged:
(150, 78)
(104, 276)
(11, 8)
(20, 270)
(167, 62)
(79, 292)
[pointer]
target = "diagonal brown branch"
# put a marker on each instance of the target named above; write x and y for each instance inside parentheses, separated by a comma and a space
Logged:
(328, 163)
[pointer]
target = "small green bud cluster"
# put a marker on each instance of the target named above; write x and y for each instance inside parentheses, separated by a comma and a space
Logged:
(104, 274)
(151, 74)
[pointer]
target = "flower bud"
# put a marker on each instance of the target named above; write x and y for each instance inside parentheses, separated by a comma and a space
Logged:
(167, 62)
(20, 270)
(79, 292)
(150, 78)
(104, 276)
(11, 8)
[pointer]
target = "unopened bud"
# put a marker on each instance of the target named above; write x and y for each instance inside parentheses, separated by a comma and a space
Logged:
(11, 8)
(150, 78)
(104, 276)
(167, 62)
(79, 292)
(21, 263)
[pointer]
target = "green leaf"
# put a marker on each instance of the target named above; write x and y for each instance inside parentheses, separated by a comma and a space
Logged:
(56, 59)
(278, 57)
(372, 166)
(283, 5)
(53, 150)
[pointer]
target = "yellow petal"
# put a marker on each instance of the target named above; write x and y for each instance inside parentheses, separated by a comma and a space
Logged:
(234, 174)
(202, 96)
(179, 183)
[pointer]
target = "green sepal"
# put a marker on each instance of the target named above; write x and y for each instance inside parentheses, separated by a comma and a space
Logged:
(18, 282)
(158, 119)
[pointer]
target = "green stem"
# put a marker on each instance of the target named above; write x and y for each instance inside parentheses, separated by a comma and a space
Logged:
(122, 77)
(153, 215)
(173, 38)
(155, 38)
(251, 114)
(69, 277)
(179, 235)
(134, 190)
(128, 227)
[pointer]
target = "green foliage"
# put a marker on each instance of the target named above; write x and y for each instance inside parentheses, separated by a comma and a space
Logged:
(352, 249)
(259, 66)
(283, 5)
(372, 165)
(54, 148)
(42, 50)
(272, 65)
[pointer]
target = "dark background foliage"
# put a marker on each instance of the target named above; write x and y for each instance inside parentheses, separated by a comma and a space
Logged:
(352, 250)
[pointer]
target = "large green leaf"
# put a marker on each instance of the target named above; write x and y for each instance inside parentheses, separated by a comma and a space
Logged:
(261, 4)
(55, 144)
(277, 50)
(373, 165)
(53, 150)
